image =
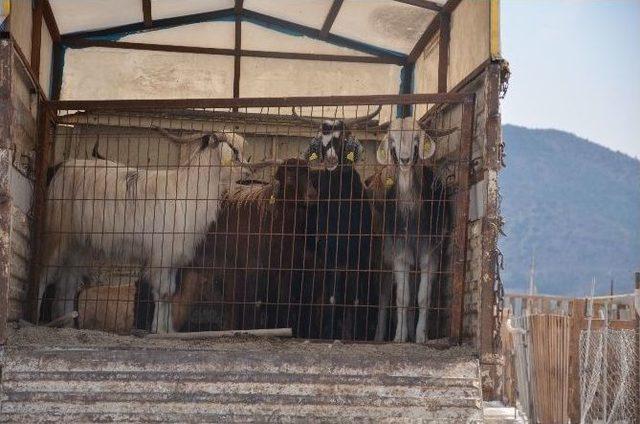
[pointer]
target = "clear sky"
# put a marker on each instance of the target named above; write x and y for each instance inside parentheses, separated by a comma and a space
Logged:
(575, 67)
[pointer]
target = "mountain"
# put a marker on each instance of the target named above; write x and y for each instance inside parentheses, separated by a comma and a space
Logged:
(576, 206)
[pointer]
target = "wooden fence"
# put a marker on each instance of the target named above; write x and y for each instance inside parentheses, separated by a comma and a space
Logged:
(541, 348)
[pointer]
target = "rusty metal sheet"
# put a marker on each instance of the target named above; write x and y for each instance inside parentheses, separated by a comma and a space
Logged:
(66, 375)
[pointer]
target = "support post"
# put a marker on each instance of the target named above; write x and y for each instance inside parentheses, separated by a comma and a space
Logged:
(43, 151)
(237, 49)
(460, 235)
(36, 37)
(443, 51)
(6, 119)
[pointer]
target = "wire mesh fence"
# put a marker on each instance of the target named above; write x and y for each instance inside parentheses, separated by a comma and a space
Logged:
(340, 221)
(609, 376)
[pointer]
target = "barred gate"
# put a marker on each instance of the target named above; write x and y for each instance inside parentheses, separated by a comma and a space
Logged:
(269, 261)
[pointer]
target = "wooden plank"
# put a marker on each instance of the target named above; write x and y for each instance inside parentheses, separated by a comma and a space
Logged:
(36, 37)
(82, 43)
(330, 19)
(425, 4)
(578, 322)
(443, 51)
(146, 13)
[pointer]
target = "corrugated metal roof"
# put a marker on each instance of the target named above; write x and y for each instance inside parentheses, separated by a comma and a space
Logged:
(237, 380)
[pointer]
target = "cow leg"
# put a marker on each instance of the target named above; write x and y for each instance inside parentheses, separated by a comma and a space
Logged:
(401, 267)
(424, 296)
(386, 285)
(164, 279)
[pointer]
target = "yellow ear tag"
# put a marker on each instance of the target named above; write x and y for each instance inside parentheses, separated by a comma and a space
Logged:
(313, 156)
(383, 154)
(226, 162)
(427, 147)
(351, 156)
(388, 182)
(272, 200)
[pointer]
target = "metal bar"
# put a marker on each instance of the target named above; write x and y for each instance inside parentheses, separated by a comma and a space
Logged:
(146, 13)
(443, 51)
(330, 19)
(315, 33)
(424, 39)
(36, 37)
(425, 4)
(157, 24)
(50, 20)
(262, 101)
(83, 43)
(462, 219)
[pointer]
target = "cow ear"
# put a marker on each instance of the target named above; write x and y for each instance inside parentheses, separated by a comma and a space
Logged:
(427, 147)
(382, 154)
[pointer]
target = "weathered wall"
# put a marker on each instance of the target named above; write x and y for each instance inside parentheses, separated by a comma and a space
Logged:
(21, 22)
(470, 39)
(18, 127)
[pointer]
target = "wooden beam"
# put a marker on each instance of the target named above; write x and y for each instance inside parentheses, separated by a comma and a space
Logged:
(330, 19)
(146, 13)
(50, 20)
(157, 24)
(83, 43)
(424, 39)
(263, 102)
(36, 37)
(425, 4)
(443, 51)
(238, 48)
(331, 38)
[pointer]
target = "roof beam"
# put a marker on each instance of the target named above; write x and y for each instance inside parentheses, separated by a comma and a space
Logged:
(50, 20)
(331, 38)
(330, 19)
(425, 4)
(157, 24)
(424, 39)
(84, 43)
(146, 13)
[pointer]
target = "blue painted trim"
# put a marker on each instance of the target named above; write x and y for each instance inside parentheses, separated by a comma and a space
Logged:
(407, 76)
(57, 69)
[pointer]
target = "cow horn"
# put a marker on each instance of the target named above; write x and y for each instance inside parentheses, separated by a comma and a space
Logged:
(362, 119)
(263, 164)
(188, 139)
(442, 132)
(314, 121)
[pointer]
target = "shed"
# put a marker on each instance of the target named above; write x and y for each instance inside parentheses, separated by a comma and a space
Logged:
(90, 79)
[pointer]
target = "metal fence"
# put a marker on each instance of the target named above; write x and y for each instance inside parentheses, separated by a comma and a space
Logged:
(328, 216)
(609, 376)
